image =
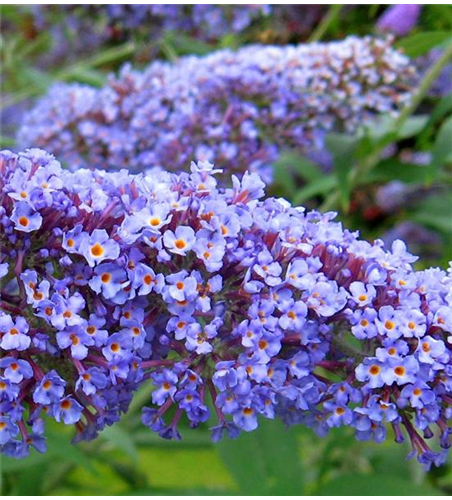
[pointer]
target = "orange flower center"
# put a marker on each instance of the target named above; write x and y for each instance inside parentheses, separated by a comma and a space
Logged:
(399, 371)
(180, 244)
(97, 250)
(106, 278)
(23, 221)
(374, 370)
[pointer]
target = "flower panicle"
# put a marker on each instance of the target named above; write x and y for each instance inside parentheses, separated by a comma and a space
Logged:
(219, 297)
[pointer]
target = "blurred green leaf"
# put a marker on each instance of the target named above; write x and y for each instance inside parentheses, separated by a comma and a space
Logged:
(442, 147)
(442, 108)
(265, 461)
(121, 439)
(185, 44)
(383, 129)
(394, 169)
(6, 142)
(420, 43)
(305, 168)
(180, 492)
(435, 212)
(87, 75)
(318, 187)
(200, 439)
(369, 485)
(343, 149)
(412, 126)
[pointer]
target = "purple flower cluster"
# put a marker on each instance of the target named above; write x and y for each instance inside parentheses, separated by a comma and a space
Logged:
(399, 19)
(204, 21)
(220, 298)
(235, 108)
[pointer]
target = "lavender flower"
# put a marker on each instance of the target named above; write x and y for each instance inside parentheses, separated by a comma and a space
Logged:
(235, 108)
(399, 19)
(205, 21)
(298, 319)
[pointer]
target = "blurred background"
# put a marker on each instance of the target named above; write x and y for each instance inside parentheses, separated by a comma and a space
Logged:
(405, 194)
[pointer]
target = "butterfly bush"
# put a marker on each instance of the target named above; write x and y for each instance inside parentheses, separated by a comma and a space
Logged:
(205, 22)
(235, 108)
(217, 298)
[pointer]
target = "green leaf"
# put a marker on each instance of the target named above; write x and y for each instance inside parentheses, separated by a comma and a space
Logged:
(180, 492)
(282, 176)
(393, 169)
(122, 440)
(383, 129)
(265, 461)
(442, 109)
(343, 149)
(89, 76)
(412, 126)
(305, 168)
(420, 43)
(318, 187)
(185, 44)
(435, 212)
(369, 485)
(442, 147)
(6, 142)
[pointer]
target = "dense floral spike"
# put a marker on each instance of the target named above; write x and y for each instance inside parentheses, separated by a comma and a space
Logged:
(234, 108)
(399, 19)
(205, 22)
(215, 296)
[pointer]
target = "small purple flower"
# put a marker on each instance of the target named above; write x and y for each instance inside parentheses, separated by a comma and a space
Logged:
(91, 380)
(431, 350)
(166, 382)
(14, 334)
(98, 247)
(418, 394)
(339, 414)
(68, 410)
(8, 430)
(267, 269)
(210, 248)
(77, 339)
(73, 238)
(66, 311)
(294, 316)
(387, 323)
(181, 287)
(393, 349)
(118, 346)
(412, 323)
(363, 321)
(8, 390)
(401, 371)
(109, 280)
(94, 329)
(245, 419)
(16, 369)
(50, 389)
(362, 294)
(370, 371)
(145, 280)
(181, 241)
(25, 218)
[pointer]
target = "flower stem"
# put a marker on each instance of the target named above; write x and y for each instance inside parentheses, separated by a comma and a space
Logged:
(325, 23)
